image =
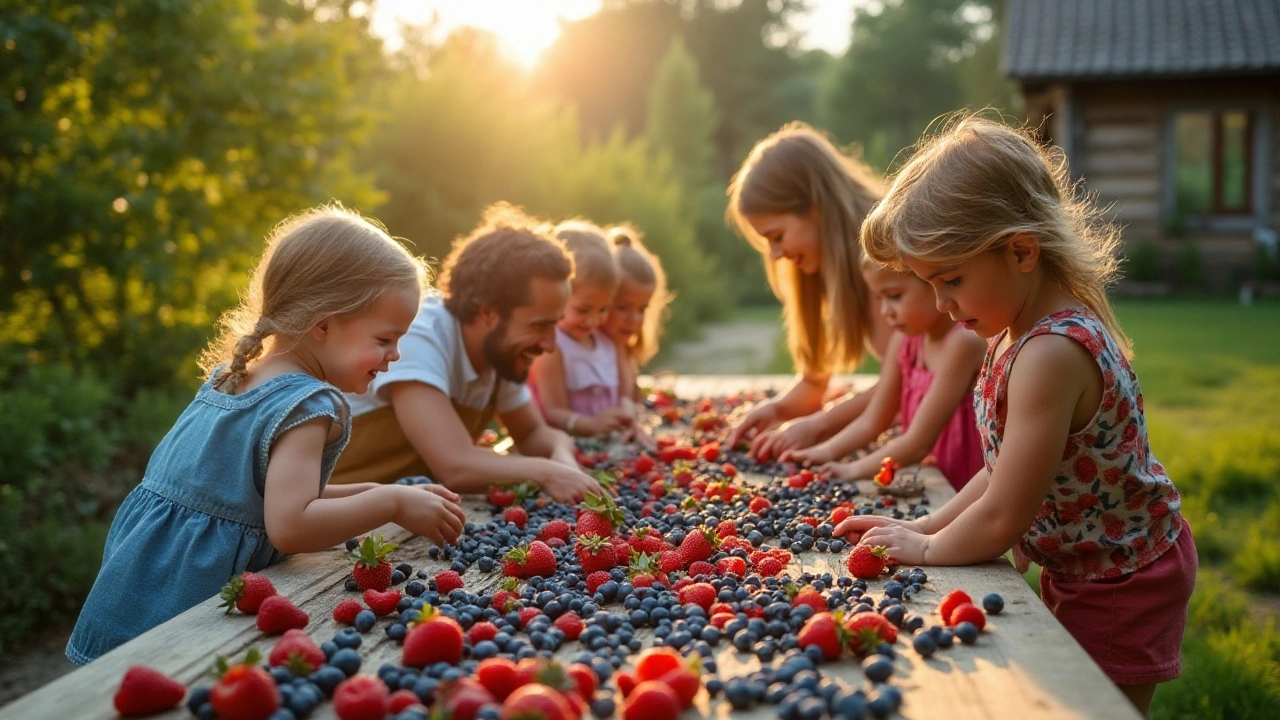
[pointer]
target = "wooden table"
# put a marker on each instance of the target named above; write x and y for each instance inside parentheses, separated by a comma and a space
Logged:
(1024, 665)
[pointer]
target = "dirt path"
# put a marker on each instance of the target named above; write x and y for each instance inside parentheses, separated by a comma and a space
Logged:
(730, 348)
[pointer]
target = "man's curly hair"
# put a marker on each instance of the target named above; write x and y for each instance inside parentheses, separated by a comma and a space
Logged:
(495, 264)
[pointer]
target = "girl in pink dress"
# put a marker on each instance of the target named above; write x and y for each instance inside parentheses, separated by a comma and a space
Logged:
(989, 218)
(577, 385)
(927, 379)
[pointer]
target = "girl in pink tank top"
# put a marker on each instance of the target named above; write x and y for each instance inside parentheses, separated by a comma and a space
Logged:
(990, 218)
(577, 385)
(926, 379)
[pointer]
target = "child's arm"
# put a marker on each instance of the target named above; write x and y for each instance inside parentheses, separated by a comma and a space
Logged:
(878, 417)
(1047, 384)
(958, 363)
(548, 373)
(298, 519)
(927, 525)
(347, 490)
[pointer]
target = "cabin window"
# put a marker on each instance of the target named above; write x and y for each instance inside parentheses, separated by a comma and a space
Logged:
(1212, 157)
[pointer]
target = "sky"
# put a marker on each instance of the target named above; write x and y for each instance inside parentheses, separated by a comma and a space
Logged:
(527, 27)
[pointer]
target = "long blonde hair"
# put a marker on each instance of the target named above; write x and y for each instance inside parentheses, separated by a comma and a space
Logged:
(972, 187)
(637, 263)
(794, 171)
(324, 262)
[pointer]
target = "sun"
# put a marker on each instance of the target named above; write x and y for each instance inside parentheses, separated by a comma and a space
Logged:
(524, 28)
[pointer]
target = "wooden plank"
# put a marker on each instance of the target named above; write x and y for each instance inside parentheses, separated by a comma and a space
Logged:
(1025, 665)
(1107, 137)
(1120, 162)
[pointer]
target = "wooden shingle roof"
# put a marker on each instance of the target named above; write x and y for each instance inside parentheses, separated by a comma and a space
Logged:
(1049, 39)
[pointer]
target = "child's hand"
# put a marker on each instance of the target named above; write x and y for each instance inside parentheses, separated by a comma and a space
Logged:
(568, 484)
(854, 528)
(904, 544)
(841, 471)
(797, 434)
(819, 454)
(443, 492)
(430, 514)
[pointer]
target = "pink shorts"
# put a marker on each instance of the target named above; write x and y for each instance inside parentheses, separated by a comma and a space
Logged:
(1131, 625)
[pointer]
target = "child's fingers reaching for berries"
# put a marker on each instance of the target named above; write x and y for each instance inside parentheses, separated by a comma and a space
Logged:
(839, 470)
(816, 455)
(431, 516)
(852, 529)
(903, 544)
(442, 491)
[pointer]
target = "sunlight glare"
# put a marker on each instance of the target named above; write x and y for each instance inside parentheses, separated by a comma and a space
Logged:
(524, 28)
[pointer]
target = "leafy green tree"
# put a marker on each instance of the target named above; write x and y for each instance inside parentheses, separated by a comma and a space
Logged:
(682, 117)
(901, 71)
(145, 148)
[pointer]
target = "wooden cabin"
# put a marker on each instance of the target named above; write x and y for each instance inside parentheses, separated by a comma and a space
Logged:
(1170, 111)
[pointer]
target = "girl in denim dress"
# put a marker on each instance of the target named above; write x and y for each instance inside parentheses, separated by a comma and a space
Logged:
(240, 481)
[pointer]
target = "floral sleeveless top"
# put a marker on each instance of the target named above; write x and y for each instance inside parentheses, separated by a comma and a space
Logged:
(1112, 509)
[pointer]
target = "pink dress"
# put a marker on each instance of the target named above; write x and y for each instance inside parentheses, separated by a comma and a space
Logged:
(590, 374)
(1119, 559)
(958, 450)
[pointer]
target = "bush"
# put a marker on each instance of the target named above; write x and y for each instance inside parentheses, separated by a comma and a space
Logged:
(1232, 675)
(53, 416)
(1190, 267)
(1142, 263)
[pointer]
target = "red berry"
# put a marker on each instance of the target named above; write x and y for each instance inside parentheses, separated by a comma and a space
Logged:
(968, 612)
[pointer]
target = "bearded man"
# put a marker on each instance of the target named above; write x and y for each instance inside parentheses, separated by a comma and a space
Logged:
(465, 362)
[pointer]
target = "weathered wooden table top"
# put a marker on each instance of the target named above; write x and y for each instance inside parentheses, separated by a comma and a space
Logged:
(1024, 665)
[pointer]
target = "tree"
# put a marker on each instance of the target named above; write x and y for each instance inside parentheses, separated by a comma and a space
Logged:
(682, 117)
(900, 71)
(145, 148)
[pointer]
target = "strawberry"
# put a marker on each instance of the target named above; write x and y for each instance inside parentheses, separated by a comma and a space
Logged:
(555, 529)
(759, 504)
(669, 561)
(400, 700)
(372, 570)
(710, 452)
(656, 662)
(461, 700)
(699, 544)
(954, 599)
(840, 514)
(481, 631)
(598, 515)
(434, 638)
(571, 625)
(513, 563)
(867, 630)
(968, 612)
(701, 567)
(812, 598)
(516, 515)
(382, 603)
(627, 682)
(646, 540)
(729, 470)
(651, 700)
(537, 701)
(346, 611)
(246, 592)
(584, 680)
(732, 565)
(541, 561)
(448, 581)
(769, 567)
(145, 690)
(498, 676)
(501, 495)
(596, 579)
(527, 614)
(298, 652)
(643, 464)
(685, 682)
(361, 697)
(506, 596)
(700, 594)
(726, 528)
(866, 561)
(244, 691)
(596, 553)
(278, 614)
(824, 630)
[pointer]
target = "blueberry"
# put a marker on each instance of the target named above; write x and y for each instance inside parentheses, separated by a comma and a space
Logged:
(603, 707)
(347, 660)
(967, 632)
(351, 585)
(398, 577)
(365, 620)
(415, 588)
(925, 644)
(877, 668)
(993, 604)
(347, 638)
(352, 544)
(397, 631)
(327, 678)
(198, 697)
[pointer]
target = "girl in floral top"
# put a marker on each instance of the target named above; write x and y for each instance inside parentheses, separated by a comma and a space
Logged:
(990, 219)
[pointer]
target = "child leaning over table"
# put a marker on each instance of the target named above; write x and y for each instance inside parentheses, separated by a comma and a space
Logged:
(927, 379)
(989, 218)
(241, 478)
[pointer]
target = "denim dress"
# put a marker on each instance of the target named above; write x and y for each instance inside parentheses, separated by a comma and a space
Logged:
(197, 518)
